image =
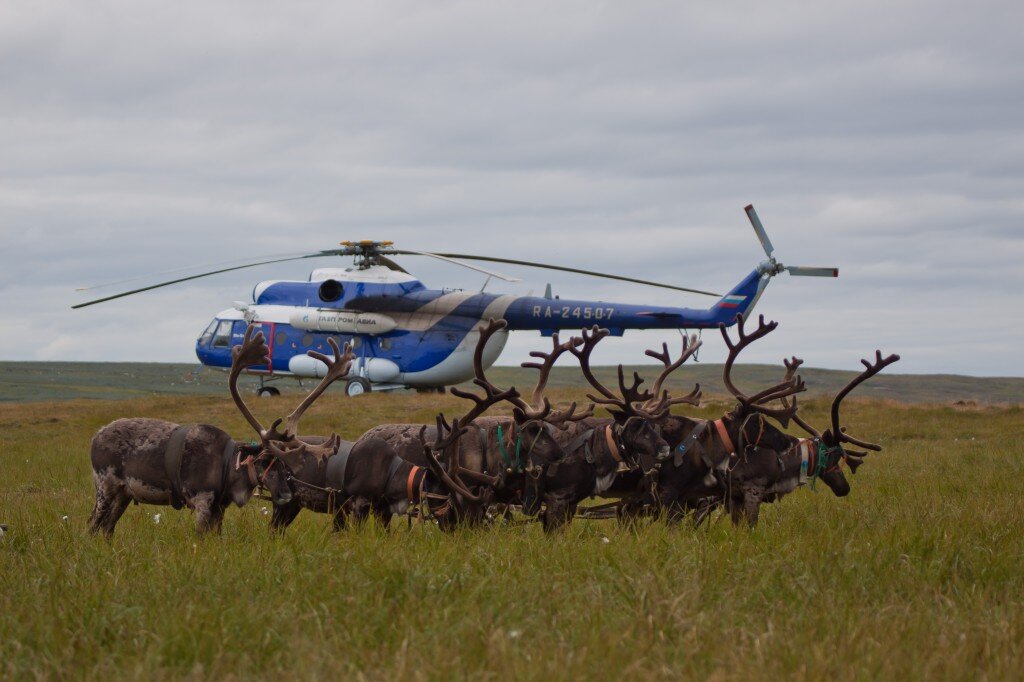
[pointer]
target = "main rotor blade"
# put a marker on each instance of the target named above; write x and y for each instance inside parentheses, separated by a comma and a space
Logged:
(759, 229)
(578, 271)
(451, 259)
(330, 252)
(805, 271)
(233, 261)
(391, 264)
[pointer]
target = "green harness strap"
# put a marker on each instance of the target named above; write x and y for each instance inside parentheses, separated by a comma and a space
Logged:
(517, 465)
(819, 467)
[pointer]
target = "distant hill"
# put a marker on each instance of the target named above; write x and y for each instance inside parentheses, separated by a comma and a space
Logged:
(39, 381)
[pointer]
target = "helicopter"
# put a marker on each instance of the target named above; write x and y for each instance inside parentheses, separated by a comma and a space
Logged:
(406, 335)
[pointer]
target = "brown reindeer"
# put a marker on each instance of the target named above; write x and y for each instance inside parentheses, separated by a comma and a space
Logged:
(348, 480)
(153, 461)
(766, 476)
(743, 459)
(498, 457)
(598, 450)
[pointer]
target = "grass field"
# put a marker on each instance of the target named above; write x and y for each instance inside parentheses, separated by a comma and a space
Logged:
(918, 574)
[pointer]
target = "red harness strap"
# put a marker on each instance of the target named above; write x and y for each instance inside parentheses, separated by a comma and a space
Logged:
(410, 484)
(723, 433)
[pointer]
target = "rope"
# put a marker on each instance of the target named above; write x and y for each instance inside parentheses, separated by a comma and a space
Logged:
(819, 467)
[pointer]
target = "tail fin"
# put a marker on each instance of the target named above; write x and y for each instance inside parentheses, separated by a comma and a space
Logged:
(740, 300)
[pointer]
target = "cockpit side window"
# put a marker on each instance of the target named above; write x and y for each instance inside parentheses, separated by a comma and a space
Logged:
(206, 336)
(222, 339)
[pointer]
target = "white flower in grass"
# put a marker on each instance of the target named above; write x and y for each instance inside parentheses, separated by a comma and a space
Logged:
(605, 540)
(265, 511)
(156, 518)
(515, 634)
(64, 518)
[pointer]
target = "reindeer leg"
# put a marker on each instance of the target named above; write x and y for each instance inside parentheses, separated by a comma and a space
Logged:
(752, 505)
(340, 519)
(106, 492)
(206, 516)
(283, 516)
(735, 510)
(382, 510)
(117, 506)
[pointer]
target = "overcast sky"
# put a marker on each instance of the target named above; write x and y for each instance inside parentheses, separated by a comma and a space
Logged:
(884, 138)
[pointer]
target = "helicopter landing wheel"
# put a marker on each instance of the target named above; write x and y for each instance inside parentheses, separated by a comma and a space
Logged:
(357, 386)
(267, 392)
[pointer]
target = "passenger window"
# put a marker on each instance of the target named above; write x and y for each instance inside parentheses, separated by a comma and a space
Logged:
(222, 339)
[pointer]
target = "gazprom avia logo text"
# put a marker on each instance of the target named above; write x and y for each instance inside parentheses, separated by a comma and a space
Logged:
(732, 301)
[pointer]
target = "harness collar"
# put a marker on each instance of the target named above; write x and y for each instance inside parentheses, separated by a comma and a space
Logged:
(609, 436)
(808, 450)
(723, 433)
(410, 484)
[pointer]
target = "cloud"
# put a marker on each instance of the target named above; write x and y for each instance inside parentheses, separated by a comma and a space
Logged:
(884, 138)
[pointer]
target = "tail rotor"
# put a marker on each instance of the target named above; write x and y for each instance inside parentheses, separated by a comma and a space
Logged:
(772, 266)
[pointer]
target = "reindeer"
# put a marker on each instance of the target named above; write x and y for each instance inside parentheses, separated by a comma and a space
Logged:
(349, 480)
(768, 476)
(742, 459)
(504, 457)
(600, 449)
(153, 461)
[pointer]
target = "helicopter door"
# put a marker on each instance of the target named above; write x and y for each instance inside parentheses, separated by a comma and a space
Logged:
(268, 333)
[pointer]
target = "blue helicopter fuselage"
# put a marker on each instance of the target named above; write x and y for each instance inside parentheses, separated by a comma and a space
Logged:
(403, 333)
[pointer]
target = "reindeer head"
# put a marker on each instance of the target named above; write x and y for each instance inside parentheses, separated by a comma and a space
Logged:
(259, 468)
(285, 446)
(633, 433)
(829, 444)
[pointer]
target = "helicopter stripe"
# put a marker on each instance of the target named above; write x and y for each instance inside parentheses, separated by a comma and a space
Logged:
(432, 313)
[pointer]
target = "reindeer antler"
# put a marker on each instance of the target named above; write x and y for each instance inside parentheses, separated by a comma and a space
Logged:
(541, 405)
(779, 391)
(435, 465)
(252, 351)
(871, 369)
(791, 366)
(336, 368)
(628, 396)
(659, 406)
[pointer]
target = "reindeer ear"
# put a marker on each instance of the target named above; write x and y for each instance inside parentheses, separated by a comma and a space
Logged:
(853, 463)
(519, 415)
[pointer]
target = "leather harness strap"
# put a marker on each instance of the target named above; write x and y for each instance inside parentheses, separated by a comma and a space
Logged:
(173, 453)
(723, 433)
(609, 436)
(225, 469)
(410, 484)
(336, 466)
(688, 443)
(578, 442)
(808, 458)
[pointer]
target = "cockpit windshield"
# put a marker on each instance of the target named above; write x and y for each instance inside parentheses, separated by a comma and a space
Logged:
(206, 336)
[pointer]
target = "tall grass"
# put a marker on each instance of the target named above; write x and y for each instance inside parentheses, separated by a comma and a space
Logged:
(917, 573)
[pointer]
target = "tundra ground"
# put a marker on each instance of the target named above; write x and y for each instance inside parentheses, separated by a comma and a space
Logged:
(919, 572)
